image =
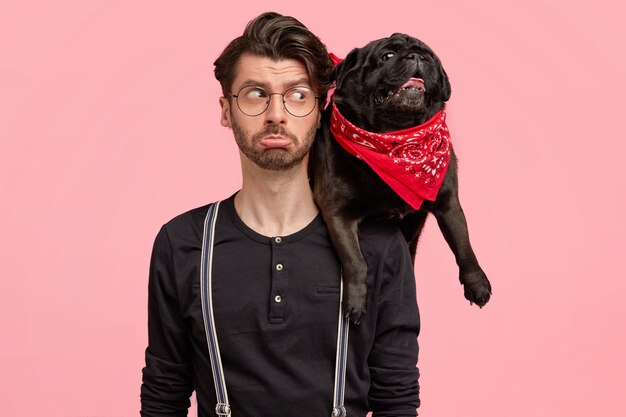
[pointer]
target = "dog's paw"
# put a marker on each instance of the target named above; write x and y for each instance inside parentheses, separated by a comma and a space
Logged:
(477, 287)
(355, 302)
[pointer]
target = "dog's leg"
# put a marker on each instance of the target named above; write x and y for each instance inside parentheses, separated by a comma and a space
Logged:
(451, 219)
(329, 192)
(453, 225)
(344, 235)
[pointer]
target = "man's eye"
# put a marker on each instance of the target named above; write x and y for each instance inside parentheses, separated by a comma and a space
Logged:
(387, 56)
(254, 93)
(297, 95)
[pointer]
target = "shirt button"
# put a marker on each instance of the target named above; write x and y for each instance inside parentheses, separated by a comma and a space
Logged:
(278, 239)
(278, 299)
(279, 267)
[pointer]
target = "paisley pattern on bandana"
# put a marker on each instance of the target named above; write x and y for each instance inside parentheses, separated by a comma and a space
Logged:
(413, 161)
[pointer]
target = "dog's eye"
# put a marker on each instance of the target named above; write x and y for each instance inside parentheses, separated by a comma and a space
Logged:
(387, 56)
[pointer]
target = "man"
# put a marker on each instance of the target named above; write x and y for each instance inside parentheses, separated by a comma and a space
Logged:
(275, 276)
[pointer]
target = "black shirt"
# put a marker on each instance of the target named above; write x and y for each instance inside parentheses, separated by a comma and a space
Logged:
(276, 306)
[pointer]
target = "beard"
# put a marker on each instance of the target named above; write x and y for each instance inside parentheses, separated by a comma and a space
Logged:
(273, 159)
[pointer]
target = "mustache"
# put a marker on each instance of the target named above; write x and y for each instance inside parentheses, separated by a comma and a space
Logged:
(274, 130)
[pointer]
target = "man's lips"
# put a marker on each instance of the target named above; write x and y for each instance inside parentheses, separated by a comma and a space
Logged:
(275, 141)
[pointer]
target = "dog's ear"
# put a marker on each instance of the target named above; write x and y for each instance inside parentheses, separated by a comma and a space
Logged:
(346, 66)
(446, 89)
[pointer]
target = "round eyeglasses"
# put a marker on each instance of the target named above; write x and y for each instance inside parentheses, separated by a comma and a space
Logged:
(253, 100)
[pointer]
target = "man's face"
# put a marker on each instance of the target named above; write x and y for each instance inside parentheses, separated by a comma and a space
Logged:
(274, 140)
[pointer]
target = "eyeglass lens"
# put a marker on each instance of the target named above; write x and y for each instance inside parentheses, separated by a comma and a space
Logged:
(299, 101)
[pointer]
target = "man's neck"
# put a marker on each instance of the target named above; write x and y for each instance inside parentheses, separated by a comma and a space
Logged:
(275, 203)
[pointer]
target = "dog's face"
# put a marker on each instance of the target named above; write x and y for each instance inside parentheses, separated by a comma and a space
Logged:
(390, 84)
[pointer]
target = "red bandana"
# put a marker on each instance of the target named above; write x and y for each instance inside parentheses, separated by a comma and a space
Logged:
(413, 161)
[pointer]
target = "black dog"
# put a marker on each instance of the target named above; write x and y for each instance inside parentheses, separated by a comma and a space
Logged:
(390, 84)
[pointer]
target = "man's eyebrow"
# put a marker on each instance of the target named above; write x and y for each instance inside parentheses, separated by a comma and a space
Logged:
(250, 82)
(298, 82)
(287, 85)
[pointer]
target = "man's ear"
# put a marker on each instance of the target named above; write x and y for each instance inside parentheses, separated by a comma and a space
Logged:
(225, 116)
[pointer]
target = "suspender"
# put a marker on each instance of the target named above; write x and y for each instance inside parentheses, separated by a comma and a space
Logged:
(223, 407)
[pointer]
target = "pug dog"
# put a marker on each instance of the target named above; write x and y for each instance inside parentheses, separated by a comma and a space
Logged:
(383, 151)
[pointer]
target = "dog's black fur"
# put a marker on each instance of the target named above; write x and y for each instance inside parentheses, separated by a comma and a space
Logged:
(347, 190)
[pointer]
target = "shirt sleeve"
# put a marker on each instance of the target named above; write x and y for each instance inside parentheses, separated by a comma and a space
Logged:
(167, 377)
(394, 388)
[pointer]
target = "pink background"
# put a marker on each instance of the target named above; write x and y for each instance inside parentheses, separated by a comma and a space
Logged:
(109, 128)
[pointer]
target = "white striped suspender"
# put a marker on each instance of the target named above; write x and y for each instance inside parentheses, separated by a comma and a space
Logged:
(222, 407)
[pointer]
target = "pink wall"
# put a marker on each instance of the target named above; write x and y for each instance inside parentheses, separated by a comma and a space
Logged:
(109, 127)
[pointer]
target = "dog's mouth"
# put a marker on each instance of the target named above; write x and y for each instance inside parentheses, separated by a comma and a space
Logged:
(414, 83)
(412, 86)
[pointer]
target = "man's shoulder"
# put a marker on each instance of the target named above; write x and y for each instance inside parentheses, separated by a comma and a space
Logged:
(189, 216)
(186, 226)
(377, 238)
(384, 249)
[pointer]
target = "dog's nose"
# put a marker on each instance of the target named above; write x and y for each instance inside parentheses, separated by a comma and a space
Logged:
(411, 56)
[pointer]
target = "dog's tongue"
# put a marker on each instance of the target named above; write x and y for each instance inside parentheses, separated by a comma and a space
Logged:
(414, 83)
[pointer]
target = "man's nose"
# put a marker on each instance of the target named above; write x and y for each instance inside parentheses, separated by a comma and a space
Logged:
(276, 112)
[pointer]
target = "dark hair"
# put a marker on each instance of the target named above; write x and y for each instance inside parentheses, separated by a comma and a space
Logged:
(278, 37)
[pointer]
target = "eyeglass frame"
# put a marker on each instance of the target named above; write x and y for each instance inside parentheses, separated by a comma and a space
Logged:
(269, 99)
